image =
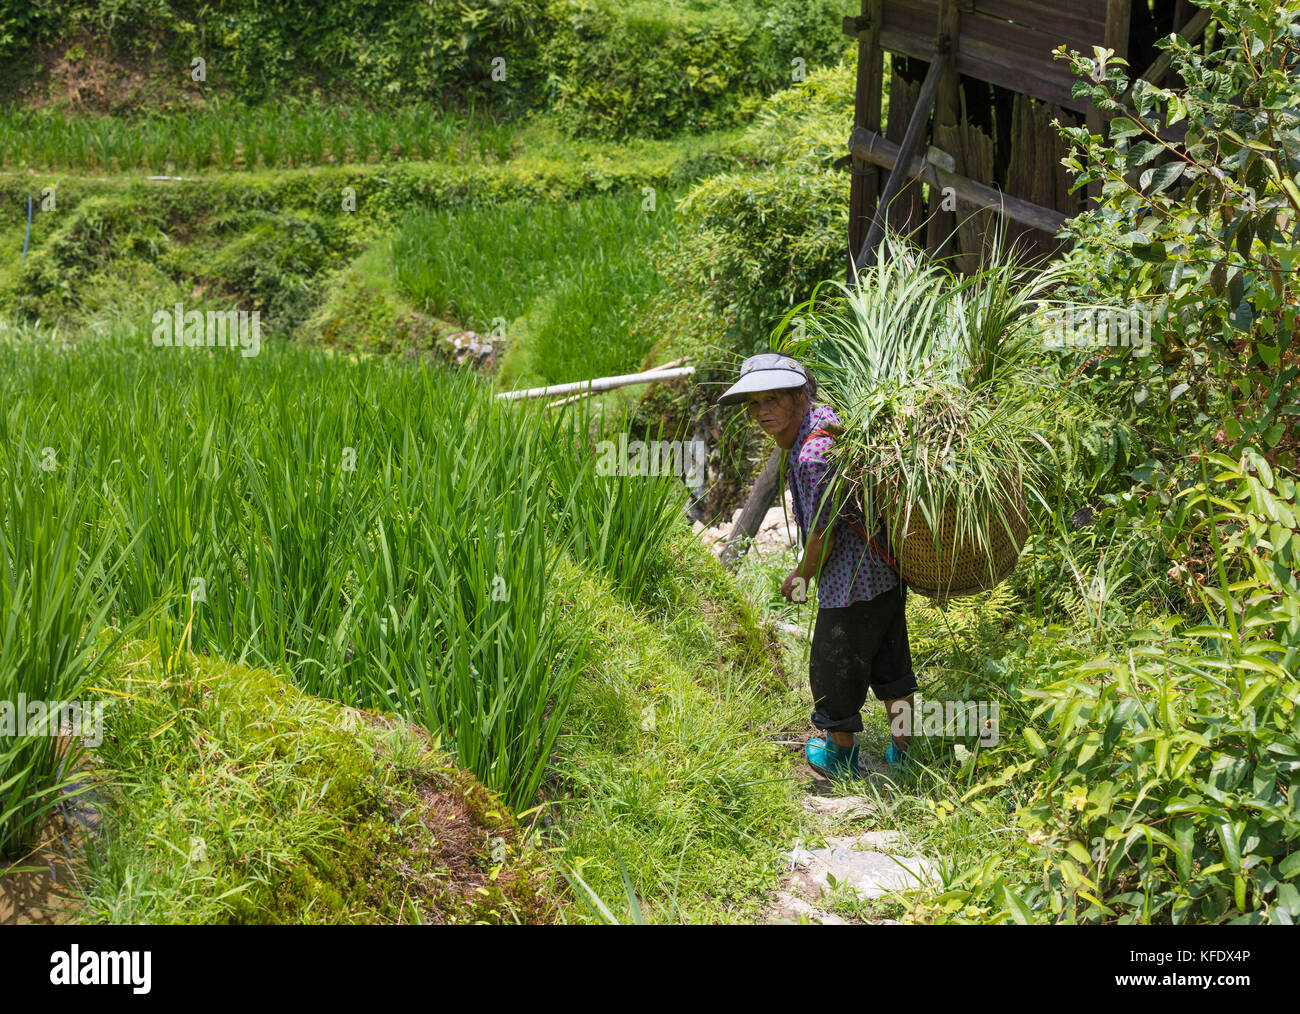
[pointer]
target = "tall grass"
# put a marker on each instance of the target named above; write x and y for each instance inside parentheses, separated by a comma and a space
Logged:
(227, 136)
(55, 592)
(384, 535)
(574, 271)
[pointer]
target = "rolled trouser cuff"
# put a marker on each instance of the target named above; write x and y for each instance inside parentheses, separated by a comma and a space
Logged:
(824, 722)
(901, 687)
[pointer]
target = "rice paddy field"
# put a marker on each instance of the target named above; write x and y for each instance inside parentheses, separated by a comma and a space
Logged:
(390, 538)
(229, 137)
(574, 275)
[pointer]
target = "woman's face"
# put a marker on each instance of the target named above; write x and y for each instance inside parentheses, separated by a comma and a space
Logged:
(774, 411)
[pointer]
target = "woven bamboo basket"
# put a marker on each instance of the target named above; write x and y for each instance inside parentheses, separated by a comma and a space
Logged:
(958, 568)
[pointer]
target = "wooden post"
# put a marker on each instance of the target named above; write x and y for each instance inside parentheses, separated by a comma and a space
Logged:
(947, 135)
(864, 188)
(760, 499)
(1118, 16)
(915, 128)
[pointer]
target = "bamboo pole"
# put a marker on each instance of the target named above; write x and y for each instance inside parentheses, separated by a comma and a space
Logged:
(598, 384)
(586, 394)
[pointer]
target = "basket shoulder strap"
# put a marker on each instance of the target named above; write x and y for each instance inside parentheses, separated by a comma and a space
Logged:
(871, 540)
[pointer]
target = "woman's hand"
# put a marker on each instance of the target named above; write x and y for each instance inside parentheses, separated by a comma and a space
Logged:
(794, 588)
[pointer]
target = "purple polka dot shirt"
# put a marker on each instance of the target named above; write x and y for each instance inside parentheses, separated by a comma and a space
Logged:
(854, 572)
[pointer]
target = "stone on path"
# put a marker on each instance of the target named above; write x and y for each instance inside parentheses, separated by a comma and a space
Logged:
(840, 806)
(856, 860)
(789, 906)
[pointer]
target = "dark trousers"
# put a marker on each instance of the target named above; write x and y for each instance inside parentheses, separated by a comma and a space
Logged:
(859, 647)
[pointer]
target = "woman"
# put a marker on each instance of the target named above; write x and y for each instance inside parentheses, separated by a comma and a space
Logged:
(860, 637)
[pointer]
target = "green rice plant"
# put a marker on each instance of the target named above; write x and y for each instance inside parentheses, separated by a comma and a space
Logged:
(77, 151)
(193, 141)
(447, 135)
(132, 149)
(496, 139)
(10, 141)
(358, 137)
(315, 136)
(224, 123)
(55, 592)
(295, 126)
(381, 136)
(103, 142)
(339, 136)
(249, 130)
(157, 144)
(269, 142)
(295, 135)
(612, 523)
(420, 130)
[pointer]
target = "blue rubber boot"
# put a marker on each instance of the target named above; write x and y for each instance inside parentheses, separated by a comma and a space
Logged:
(831, 760)
(896, 758)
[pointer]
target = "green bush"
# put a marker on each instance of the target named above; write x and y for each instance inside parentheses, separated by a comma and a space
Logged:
(377, 49)
(1196, 231)
(640, 69)
(612, 70)
(1167, 772)
(760, 239)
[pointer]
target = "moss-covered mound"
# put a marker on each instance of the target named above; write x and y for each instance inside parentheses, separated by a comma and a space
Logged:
(227, 796)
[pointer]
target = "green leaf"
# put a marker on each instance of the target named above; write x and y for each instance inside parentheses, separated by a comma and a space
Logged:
(1291, 189)
(1122, 127)
(1152, 253)
(1080, 853)
(1162, 177)
(1019, 910)
(1288, 900)
(1231, 849)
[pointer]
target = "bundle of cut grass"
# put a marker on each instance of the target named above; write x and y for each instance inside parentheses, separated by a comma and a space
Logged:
(942, 383)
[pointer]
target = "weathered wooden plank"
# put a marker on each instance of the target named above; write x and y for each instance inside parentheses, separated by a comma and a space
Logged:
(1078, 24)
(988, 63)
(1034, 164)
(920, 17)
(947, 134)
(1119, 14)
(1017, 46)
(905, 210)
(864, 188)
(977, 153)
(874, 148)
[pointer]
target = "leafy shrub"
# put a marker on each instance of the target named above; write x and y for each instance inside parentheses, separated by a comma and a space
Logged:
(1167, 778)
(277, 262)
(612, 69)
(1197, 230)
(616, 71)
